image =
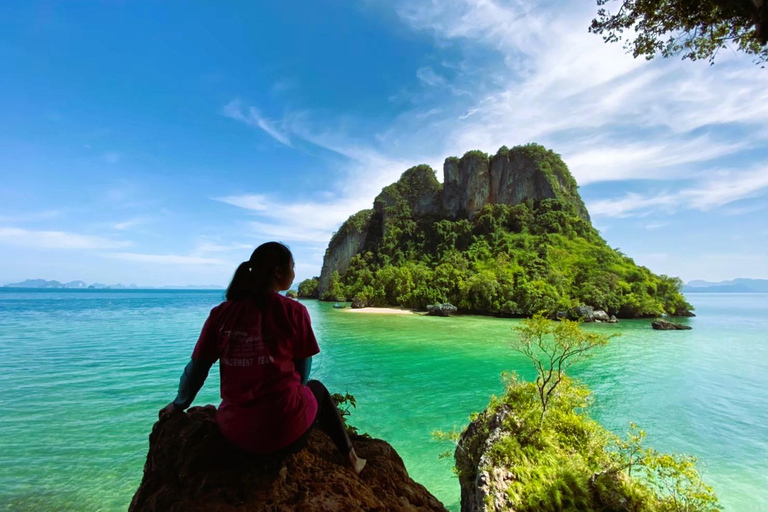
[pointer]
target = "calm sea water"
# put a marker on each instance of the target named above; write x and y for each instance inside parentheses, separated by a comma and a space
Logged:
(84, 373)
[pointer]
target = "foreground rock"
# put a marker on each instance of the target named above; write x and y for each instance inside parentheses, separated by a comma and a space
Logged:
(441, 309)
(664, 325)
(191, 468)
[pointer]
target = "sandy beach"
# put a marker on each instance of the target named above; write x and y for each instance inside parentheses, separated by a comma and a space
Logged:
(381, 311)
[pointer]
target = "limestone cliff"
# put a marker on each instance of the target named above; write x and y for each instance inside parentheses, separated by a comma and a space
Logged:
(469, 183)
(349, 240)
(191, 468)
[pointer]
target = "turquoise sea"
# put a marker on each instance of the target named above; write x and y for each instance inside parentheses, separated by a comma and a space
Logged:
(85, 372)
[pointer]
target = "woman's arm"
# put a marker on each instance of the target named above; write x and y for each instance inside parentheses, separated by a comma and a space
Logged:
(191, 381)
(303, 366)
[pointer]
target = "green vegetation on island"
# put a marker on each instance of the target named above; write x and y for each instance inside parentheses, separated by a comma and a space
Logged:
(536, 449)
(308, 288)
(420, 245)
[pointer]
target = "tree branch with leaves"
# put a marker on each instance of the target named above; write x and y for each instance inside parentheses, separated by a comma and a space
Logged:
(694, 29)
(553, 347)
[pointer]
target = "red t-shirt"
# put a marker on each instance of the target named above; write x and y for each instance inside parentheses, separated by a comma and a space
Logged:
(264, 406)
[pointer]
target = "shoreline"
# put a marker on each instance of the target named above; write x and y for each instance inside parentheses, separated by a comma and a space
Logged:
(381, 311)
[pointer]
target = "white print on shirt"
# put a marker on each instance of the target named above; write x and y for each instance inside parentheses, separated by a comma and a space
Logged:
(244, 348)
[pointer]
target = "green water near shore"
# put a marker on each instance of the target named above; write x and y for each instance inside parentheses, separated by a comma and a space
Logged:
(86, 371)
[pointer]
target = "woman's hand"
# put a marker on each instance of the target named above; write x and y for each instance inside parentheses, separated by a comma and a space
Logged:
(168, 410)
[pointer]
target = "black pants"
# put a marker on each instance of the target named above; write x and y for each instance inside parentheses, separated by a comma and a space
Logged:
(328, 419)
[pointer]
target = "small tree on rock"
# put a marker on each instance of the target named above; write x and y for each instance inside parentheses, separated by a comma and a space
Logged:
(553, 347)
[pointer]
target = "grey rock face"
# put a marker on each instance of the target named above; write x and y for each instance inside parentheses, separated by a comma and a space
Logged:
(452, 188)
(476, 178)
(338, 256)
(515, 179)
(600, 316)
(486, 492)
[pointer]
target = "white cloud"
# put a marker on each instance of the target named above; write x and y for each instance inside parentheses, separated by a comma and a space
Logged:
(56, 240)
(611, 117)
(29, 216)
(304, 221)
(129, 223)
(542, 78)
(719, 189)
(743, 210)
(428, 77)
(252, 117)
(165, 259)
(633, 160)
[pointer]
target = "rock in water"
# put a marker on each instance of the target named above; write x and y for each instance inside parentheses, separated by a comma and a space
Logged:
(663, 325)
(441, 309)
(190, 467)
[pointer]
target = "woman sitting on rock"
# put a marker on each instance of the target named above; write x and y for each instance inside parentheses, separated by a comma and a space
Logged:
(264, 344)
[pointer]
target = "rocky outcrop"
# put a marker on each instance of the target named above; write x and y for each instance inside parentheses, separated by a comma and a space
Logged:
(466, 185)
(664, 325)
(348, 241)
(441, 309)
(483, 483)
(191, 468)
(469, 183)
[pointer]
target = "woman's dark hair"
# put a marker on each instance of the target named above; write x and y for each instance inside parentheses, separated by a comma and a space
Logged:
(253, 278)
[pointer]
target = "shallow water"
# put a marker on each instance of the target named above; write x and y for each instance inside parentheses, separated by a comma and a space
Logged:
(86, 371)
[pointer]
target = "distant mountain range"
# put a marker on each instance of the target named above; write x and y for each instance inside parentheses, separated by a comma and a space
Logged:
(733, 286)
(81, 285)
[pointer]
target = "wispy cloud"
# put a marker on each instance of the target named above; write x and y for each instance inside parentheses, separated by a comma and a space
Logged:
(130, 223)
(288, 221)
(165, 259)
(57, 240)
(743, 210)
(29, 216)
(611, 117)
(723, 188)
(251, 116)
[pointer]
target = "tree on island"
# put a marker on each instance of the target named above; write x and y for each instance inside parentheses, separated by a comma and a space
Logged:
(553, 347)
(695, 29)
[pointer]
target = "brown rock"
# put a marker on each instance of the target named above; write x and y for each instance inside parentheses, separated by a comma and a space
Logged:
(190, 467)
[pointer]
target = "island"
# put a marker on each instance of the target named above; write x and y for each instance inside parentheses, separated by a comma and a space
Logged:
(504, 235)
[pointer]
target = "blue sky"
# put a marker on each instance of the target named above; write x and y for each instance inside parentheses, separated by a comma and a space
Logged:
(159, 143)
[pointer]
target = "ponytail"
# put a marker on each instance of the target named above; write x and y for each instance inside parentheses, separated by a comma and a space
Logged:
(255, 277)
